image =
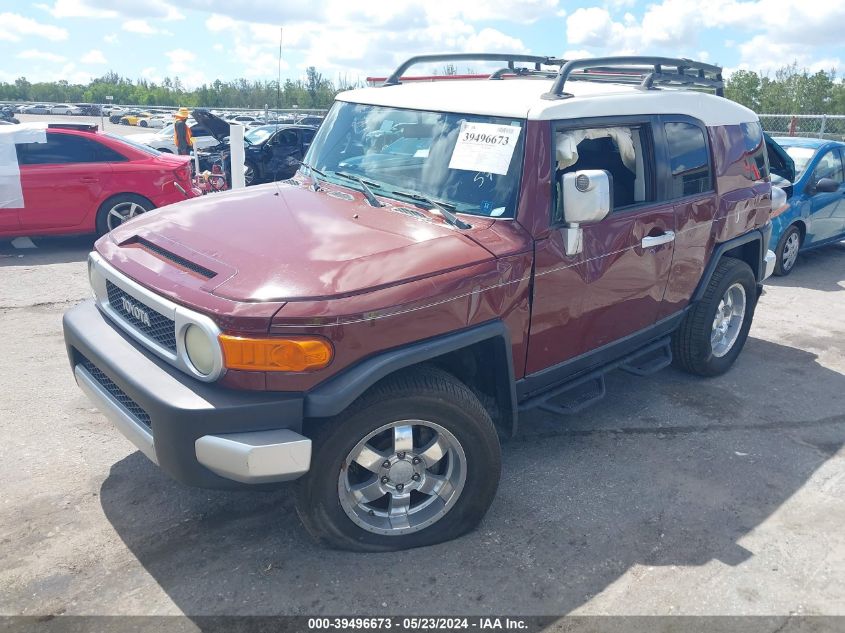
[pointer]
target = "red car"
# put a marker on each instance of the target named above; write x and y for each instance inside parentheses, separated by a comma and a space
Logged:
(85, 181)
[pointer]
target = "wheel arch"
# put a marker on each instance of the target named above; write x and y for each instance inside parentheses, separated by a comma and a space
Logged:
(479, 356)
(747, 247)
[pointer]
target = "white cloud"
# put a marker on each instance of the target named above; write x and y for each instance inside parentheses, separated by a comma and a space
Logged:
(113, 9)
(76, 9)
(143, 27)
(591, 26)
(180, 60)
(43, 56)
(94, 56)
(14, 27)
(112, 38)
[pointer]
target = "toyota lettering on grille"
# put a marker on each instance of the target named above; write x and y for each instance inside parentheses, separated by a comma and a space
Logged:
(137, 313)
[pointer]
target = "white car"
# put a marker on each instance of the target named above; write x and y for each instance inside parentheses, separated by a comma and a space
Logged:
(66, 109)
(163, 139)
(159, 120)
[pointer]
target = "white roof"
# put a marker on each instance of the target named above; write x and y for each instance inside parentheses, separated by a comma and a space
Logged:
(521, 98)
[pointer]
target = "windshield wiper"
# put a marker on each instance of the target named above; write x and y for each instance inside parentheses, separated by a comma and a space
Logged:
(315, 186)
(447, 214)
(365, 188)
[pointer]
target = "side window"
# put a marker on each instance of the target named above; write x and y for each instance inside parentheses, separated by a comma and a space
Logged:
(287, 139)
(199, 131)
(689, 160)
(756, 158)
(108, 155)
(307, 137)
(60, 149)
(829, 166)
(625, 152)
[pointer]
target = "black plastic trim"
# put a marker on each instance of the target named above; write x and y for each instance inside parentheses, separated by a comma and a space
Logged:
(336, 394)
(762, 235)
(552, 377)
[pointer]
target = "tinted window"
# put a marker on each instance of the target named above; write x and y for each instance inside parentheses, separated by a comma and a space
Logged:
(286, 138)
(199, 131)
(64, 149)
(756, 160)
(689, 160)
(829, 166)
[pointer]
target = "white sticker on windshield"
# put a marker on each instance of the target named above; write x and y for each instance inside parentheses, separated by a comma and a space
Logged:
(421, 153)
(484, 147)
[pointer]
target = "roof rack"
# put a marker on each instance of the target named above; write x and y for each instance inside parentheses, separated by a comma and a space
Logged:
(396, 76)
(645, 71)
(82, 127)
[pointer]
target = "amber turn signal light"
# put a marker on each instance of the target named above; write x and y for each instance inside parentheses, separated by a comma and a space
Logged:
(275, 354)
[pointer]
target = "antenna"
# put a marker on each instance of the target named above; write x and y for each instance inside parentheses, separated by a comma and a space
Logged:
(279, 76)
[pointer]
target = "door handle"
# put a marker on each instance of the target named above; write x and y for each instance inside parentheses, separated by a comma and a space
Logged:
(89, 179)
(657, 240)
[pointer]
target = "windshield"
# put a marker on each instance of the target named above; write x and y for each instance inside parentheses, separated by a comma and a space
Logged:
(470, 162)
(259, 134)
(801, 156)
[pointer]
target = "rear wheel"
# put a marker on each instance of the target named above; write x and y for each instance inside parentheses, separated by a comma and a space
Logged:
(714, 331)
(250, 174)
(143, 123)
(119, 209)
(414, 462)
(786, 253)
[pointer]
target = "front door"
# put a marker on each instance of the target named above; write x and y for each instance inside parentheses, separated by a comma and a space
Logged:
(63, 181)
(614, 287)
(826, 209)
(285, 155)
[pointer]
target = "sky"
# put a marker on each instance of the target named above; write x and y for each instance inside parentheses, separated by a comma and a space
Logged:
(202, 40)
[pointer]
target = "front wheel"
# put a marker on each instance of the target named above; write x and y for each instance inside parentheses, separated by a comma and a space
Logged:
(786, 253)
(414, 462)
(714, 331)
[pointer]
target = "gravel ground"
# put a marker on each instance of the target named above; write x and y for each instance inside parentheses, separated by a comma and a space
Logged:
(674, 495)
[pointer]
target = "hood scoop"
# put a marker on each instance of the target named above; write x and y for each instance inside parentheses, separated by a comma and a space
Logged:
(172, 257)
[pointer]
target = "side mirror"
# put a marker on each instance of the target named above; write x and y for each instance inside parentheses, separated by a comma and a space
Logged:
(584, 198)
(826, 185)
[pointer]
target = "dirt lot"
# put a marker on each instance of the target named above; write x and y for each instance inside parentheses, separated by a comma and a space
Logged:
(673, 495)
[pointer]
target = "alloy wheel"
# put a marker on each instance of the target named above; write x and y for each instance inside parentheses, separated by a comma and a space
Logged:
(402, 477)
(727, 322)
(122, 212)
(790, 251)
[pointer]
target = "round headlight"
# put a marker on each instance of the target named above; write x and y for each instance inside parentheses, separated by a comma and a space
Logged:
(200, 349)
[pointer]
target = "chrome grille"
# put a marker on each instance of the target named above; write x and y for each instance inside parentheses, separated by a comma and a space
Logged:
(161, 329)
(117, 393)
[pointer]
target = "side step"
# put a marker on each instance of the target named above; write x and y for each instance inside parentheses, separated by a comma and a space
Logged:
(649, 360)
(583, 391)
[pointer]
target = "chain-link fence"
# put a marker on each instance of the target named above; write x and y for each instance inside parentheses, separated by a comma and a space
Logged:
(827, 126)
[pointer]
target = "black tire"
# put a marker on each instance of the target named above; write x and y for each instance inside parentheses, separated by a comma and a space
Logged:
(692, 351)
(142, 123)
(782, 268)
(424, 393)
(121, 199)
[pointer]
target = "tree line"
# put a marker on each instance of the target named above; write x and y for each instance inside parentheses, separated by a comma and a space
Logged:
(791, 90)
(314, 91)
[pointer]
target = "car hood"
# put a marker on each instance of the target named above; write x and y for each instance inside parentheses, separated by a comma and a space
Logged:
(218, 127)
(780, 162)
(281, 242)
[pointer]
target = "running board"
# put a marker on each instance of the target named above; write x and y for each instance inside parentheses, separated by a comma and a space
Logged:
(650, 360)
(581, 392)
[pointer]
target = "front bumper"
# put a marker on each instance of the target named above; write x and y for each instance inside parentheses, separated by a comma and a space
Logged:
(198, 433)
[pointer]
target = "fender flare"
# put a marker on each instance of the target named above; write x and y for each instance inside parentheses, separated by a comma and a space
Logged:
(760, 235)
(334, 395)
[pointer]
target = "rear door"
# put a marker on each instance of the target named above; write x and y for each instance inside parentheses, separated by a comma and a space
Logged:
(614, 288)
(63, 180)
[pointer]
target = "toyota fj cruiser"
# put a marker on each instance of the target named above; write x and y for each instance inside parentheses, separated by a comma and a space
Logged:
(450, 254)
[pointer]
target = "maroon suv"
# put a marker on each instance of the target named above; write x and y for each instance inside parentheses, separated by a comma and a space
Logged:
(451, 253)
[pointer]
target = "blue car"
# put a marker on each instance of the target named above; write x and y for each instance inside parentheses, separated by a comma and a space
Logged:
(815, 213)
